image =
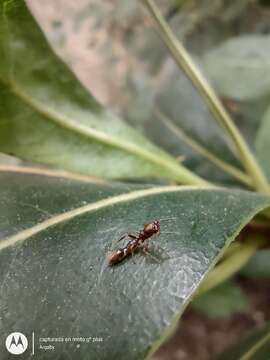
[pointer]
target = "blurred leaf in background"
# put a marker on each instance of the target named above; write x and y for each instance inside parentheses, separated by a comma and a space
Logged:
(224, 300)
(47, 116)
(258, 266)
(238, 68)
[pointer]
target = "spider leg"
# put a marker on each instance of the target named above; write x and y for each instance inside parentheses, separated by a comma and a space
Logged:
(161, 249)
(155, 246)
(148, 253)
(131, 236)
(132, 257)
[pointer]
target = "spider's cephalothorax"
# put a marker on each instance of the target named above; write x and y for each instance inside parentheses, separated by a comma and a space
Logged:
(136, 241)
(151, 229)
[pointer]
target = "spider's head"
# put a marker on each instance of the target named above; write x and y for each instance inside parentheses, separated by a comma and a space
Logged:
(152, 228)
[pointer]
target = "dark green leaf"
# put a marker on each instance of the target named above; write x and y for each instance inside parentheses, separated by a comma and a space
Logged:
(47, 116)
(55, 280)
(224, 300)
(237, 67)
(258, 266)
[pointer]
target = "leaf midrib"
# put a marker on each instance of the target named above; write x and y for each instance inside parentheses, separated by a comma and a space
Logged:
(176, 171)
(160, 158)
(68, 215)
(203, 151)
(51, 173)
(67, 123)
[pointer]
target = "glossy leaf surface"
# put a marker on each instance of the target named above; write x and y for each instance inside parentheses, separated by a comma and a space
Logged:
(55, 281)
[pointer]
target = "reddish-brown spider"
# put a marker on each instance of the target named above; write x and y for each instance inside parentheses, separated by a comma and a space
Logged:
(136, 241)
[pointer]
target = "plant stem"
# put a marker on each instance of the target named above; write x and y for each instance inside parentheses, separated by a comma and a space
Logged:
(234, 246)
(252, 351)
(200, 149)
(185, 62)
